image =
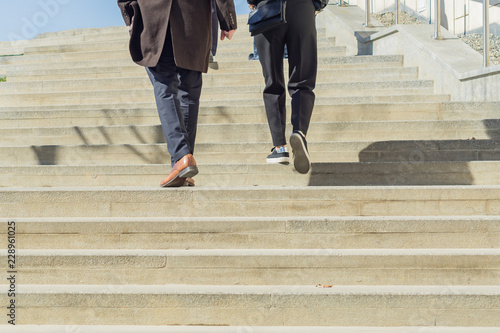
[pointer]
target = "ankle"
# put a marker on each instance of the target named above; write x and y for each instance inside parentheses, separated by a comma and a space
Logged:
(301, 133)
(281, 149)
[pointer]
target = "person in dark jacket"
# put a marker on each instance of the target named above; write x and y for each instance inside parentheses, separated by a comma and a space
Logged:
(172, 39)
(299, 35)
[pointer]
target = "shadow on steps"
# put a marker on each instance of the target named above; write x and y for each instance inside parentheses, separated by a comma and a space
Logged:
(390, 173)
(419, 162)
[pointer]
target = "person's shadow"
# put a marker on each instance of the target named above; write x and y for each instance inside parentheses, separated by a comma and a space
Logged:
(417, 162)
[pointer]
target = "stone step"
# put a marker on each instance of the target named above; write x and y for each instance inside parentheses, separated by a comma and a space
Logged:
(72, 33)
(114, 34)
(130, 69)
(97, 35)
(239, 329)
(245, 42)
(146, 114)
(239, 83)
(19, 47)
(254, 152)
(329, 232)
(440, 109)
(235, 66)
(259, 305)
(61, 57)
(137, 74)
(325, 51)
(250, 201)
(322, 174)
(121, 44)
(341, 92)
(97, 41)
(241, 53)
(89, 64)
(86, 37)
(224, 66)
(248, 132)
(377, 96)
(240, 43)
(324, 96)
(338, 62)
(261, 267)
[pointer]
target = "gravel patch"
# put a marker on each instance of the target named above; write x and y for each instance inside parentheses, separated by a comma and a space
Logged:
(388, 19)
(473, 40)
(476, 42)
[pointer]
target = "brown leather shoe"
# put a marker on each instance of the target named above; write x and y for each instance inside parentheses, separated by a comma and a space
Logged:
(188, 182)
(184, 168)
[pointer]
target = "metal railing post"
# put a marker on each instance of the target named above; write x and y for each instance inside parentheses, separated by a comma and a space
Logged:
(397, 13)
(437, 19)
(486, 34)
(367, 14)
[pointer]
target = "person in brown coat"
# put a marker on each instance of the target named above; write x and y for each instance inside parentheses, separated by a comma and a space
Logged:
(172, 39)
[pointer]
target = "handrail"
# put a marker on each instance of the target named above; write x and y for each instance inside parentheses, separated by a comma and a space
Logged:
(486, 34)
(367, 14)
(437, 20)
(397, 13)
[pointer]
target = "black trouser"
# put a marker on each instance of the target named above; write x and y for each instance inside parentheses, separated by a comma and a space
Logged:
(177, 93)
(299, 34)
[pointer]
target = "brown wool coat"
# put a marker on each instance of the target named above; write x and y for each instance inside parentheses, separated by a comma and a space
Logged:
(190, 25)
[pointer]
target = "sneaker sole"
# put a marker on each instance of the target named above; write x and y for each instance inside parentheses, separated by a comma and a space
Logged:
(281, 160)
(301, 160)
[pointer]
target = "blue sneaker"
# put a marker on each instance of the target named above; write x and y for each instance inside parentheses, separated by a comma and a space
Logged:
(301, 159)
(279, 156)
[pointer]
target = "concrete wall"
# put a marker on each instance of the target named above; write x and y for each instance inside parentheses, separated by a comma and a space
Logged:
(458, 16)
(474, 20)
(455, 67)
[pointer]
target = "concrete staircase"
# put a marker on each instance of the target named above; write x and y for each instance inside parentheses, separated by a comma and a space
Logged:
(395, 229)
